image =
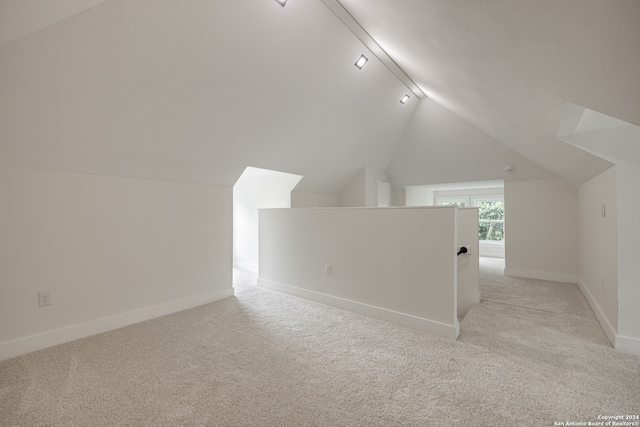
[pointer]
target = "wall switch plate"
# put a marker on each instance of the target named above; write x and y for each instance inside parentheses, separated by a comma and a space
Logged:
(328, 270)
(44, 298)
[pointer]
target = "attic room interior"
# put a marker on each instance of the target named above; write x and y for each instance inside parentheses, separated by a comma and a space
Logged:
(129, 130)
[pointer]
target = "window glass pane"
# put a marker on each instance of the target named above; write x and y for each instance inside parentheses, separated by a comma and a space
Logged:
(491, 230)
(491, 216)
(452, 203)
(461, 202)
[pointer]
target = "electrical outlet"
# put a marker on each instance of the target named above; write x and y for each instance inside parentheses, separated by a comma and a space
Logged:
(44, 298)
(328, 270)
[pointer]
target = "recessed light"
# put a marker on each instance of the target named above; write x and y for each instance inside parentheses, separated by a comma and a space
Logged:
(282, 2)
(361, 61)
(404, 99)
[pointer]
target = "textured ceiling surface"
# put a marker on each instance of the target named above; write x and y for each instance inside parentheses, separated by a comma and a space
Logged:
(507, 67)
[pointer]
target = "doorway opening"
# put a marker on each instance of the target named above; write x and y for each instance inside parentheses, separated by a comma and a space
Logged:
(255, 189)
(487, 196)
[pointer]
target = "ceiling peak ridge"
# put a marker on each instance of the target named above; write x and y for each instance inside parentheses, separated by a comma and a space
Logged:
(355, 27)
(20, 19)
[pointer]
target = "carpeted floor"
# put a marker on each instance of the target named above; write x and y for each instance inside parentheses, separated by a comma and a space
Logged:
(530, 354)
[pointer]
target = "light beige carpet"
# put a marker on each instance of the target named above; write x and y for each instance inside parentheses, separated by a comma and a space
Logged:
(530, 354)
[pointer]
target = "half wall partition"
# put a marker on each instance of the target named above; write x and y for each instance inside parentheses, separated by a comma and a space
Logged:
(398, 264)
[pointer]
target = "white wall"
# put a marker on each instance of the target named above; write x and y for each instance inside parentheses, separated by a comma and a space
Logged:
(268, 189)
(618, 145)
(598, 248)
(541, 230)
(469, 263)
(419, 195)
(112, 251)
(382, 194)
(398, 197)
(354, 193)
(373, 174)
(628, 182)
(398, 264)
(313, 200)
(361, 190)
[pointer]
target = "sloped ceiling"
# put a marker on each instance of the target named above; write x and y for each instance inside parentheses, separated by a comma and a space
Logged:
(440, 147)
(507, 67)
(195, 91)
(21, 17)
(605, 136)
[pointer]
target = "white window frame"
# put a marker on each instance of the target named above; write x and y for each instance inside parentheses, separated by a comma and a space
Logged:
(477, 199)
(440, 200)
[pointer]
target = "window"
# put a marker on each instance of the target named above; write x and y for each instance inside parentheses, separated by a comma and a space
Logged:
(461, 202)
(490, 214)
(491, 218)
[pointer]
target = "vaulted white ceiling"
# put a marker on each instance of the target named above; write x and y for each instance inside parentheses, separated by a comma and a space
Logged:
(21, 17)
(507, 67)
(195, 91)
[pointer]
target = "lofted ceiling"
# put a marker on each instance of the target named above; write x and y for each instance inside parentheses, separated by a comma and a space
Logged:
(507, 67)
(21, 17)
(195, 91)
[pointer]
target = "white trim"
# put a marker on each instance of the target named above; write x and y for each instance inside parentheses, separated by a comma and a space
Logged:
(466, 302)
(31, 343)
(453, 199)
(541, 275)
(604, 321)
(491, 249)
(426, 325)
(628, 344)
(487, 198)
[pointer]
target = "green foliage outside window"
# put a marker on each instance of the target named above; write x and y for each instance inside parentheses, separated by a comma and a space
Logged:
(458, 204)
(491, 224)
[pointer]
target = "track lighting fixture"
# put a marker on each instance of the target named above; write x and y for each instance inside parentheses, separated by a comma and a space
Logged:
(361, 61)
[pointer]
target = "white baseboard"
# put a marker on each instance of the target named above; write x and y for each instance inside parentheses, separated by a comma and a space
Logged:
(466, 302)
(426, 325)
(541, 275)
(604, 321)
(491, 250)
(627, 344)
(31, 343)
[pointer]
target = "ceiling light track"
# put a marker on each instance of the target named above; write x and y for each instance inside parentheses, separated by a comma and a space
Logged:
(374, 47)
